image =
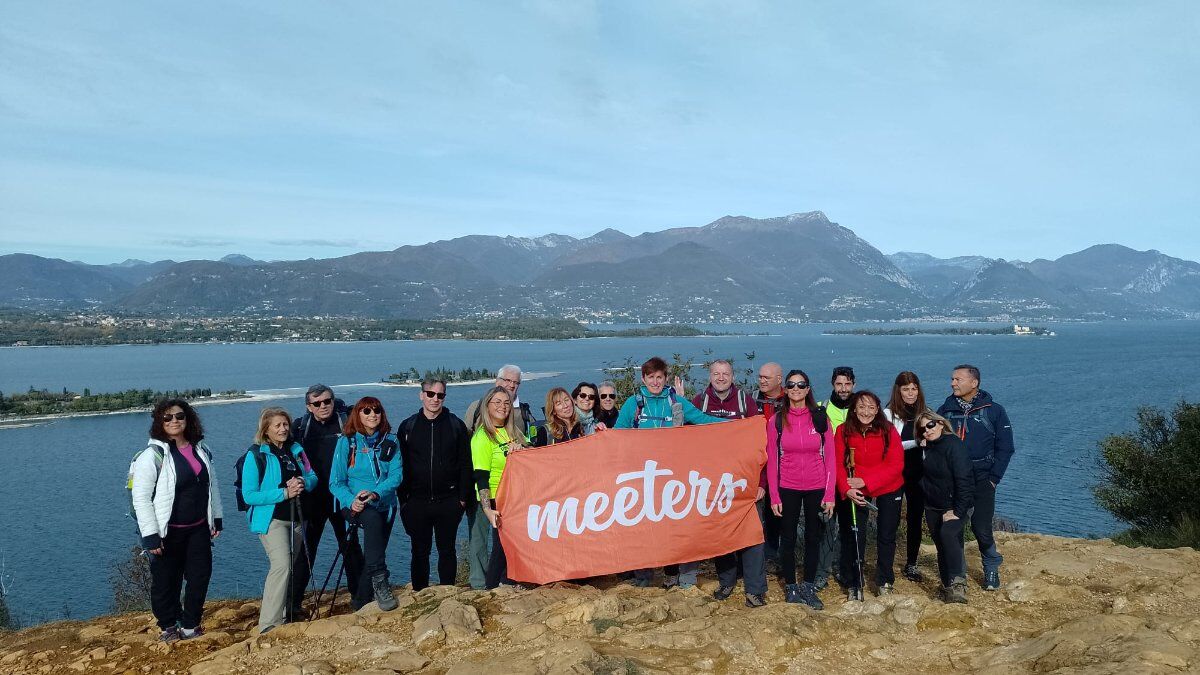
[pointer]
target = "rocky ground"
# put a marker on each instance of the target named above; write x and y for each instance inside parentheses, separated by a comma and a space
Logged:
(1068, 606)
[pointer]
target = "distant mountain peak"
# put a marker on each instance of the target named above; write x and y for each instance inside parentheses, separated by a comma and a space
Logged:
(239, 259)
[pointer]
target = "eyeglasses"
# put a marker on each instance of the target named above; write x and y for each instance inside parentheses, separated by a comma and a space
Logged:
(515, 383)
(322, 403)
(439, 395)
(796, 385)
(501, 403)
(368, 410)
(931, 424)
(178, 417)
(586, 397)
(604, 397)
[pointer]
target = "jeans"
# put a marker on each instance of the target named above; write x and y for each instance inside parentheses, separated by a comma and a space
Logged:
(795, 501)
(425, 520)
(981, 523)
(479, 533)
(948, 539)
(186, 556)
(887, 522)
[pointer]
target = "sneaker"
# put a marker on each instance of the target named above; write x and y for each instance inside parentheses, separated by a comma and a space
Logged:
(791, 593)
(755, 600)
(854, 593)
(808, 595)
(723, 592)
(671, 581)
(991, 580)
(885, 589)
(191, 633)
(913, 573)
(170, 635)
(956, 592)
(821, 583)
(383, 592)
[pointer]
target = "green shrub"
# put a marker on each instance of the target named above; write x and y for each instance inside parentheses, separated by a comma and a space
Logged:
(1150, 478)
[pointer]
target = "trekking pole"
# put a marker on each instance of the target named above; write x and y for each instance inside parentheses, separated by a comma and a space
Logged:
(854, 526)
(308, 562)
(351, 533)
(291, 551)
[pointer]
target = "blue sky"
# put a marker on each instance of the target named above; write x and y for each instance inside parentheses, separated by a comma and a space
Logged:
(298, 129)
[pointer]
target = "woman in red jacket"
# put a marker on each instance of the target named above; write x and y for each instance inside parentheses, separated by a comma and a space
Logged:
(870, 464)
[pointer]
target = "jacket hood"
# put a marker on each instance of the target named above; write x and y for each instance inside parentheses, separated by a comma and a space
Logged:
(981, 399)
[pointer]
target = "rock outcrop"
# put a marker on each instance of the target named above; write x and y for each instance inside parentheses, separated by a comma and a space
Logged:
(1068, 606)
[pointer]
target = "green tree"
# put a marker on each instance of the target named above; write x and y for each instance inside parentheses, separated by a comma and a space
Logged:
(1150, 478)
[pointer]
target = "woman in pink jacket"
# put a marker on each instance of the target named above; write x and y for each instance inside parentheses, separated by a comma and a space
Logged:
(800, 477)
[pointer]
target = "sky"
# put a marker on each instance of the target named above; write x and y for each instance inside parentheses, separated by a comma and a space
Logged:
(288, 130)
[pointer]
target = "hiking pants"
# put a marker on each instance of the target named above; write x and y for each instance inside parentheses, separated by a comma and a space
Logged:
(316, 512)
(479, 533)
(497, 570)
(275, 588)
(795, 501)
(886, 525)
(186, 556)
(423, 521)
(981, 523)
(914, 498)
(948, 538)
(830, 548)
(376, 529)
(754, 569)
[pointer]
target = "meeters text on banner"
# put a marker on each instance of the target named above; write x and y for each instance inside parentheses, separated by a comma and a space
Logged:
(626, 499)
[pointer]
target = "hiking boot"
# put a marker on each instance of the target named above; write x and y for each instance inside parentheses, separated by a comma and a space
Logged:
(759, 600)
(383, 592)
(723, 592)
(991, 580)
(170, 635)
(671, 581)
(913, 573)
(854, 593)
(808, 595)
(956, 592)
(884, 589)
(191, 633)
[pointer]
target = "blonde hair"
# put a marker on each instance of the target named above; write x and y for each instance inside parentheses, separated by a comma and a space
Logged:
(264, 421)
(554, 425)
(928, 414)
(489, 427)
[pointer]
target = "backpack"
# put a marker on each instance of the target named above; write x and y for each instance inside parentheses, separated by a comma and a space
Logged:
(820, 424)
(741, 401)
(676, 417)
(158, 462)
(260, 462)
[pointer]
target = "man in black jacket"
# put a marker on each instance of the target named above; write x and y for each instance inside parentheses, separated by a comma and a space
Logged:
(318, 431)
(436, 452)
(983, 426)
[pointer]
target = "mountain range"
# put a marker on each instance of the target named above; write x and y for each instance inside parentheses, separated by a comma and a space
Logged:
(796, 267)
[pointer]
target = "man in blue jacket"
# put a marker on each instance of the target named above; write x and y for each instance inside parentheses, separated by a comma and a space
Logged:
(983, 426)
(655, 405)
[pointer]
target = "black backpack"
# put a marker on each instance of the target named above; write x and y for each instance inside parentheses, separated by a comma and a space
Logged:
(260, 462)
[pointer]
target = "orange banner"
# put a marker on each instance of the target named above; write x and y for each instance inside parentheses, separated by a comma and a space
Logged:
(626, 499)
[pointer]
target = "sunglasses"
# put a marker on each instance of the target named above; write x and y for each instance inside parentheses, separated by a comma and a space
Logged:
(587, 397)
(796, 385)
(607, 396)
(439, 395)
(368, 410)
(322, 403)
(931, 424)
(178, 417)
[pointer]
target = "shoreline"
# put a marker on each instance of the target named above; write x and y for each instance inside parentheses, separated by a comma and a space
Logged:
(525, 377)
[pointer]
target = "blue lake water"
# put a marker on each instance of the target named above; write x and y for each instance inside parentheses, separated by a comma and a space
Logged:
(62, 506)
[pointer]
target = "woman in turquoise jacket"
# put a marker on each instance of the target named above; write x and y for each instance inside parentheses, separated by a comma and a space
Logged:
(363, 481)
(274, 473)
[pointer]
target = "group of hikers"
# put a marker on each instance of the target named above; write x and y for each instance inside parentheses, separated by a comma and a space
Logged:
(828, 464)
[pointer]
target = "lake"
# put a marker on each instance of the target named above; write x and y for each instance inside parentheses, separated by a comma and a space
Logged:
(62, 509)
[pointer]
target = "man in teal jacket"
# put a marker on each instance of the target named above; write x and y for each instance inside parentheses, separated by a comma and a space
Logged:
(653, 406)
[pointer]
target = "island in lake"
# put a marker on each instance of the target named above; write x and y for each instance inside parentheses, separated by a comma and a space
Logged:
(1015, 329)
(41, 404)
